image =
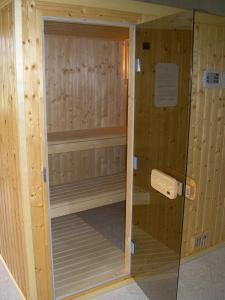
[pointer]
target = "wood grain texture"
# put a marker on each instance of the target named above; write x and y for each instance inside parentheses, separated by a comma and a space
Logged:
(77, 140)
(179, 21)
(206, 159)
(35, 139)
(161, 133)
(86, 88)
(34, 120)
(67, 167)
(86, 12)
(33, 80)
(87, 194)
(82, 261)
(130, 147)
(12, 231)
(86, 31)
(127, 11)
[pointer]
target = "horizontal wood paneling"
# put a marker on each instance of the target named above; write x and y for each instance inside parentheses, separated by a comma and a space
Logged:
(206, 162)
(12, 237)
(69, 141)
(161, 133)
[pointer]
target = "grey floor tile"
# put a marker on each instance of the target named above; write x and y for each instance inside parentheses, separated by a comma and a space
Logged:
(7, 289)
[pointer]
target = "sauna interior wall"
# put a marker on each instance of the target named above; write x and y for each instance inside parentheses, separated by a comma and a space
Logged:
(12, 244)
(160, 133)
(206, 162)
(86, 87)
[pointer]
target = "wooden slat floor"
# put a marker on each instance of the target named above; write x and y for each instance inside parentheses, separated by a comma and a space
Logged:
(82, 257)
(152, 257)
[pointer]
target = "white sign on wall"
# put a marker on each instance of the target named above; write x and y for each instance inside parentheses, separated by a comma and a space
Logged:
(166, 85)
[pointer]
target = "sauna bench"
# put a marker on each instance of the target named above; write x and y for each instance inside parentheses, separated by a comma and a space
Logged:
(87, 194)
(91, 193)
(78, 140)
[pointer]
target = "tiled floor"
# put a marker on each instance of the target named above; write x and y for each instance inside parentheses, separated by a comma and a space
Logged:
(7, 289)
(203, 278)
(200, 279)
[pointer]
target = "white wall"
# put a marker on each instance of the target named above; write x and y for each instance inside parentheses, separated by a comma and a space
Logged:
(213, 6)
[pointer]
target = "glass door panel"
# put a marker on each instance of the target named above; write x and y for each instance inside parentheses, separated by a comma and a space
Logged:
(163, 84)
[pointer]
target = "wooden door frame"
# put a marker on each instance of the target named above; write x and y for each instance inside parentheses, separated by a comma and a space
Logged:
(42, 16)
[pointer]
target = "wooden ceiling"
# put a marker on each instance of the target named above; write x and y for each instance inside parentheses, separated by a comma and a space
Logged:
(143, 12)
(179, 21)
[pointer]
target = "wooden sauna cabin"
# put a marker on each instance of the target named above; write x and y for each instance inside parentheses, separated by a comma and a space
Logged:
(101, 129)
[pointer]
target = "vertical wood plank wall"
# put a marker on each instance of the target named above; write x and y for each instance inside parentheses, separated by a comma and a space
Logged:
(12, 239)
(161, 133)
(85, 84)
(206, 162)
(86, 87)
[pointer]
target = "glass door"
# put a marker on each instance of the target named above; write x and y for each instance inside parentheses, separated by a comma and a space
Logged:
(163, 84)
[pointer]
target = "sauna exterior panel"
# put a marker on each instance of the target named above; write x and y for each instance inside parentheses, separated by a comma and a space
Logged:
(13, 219)
(206, 159)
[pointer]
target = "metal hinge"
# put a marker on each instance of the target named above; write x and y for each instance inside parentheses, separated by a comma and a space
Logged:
(132, 247)
(138, 65)
(135, 162)
(45, 174)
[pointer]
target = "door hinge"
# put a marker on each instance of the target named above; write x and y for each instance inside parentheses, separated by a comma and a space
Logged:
(45, 174)
(132, 247)
(138, 65)
(135, 162)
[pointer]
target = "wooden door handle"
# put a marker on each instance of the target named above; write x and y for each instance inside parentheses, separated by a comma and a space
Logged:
(165, 184)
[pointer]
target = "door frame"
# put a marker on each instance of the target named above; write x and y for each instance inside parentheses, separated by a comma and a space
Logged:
(130, 127)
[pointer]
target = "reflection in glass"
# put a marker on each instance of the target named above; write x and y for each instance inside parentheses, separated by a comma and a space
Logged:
(161, 139)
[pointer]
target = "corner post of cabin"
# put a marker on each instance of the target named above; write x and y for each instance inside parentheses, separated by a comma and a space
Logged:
(33, 98)
(31, 288)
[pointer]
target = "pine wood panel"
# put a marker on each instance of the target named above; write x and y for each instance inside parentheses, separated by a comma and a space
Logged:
(161, 133)
(35, 137)
(12, 231)
(127, 11)
(87, 31)
(86, 86)
(87, 194)
(206, 161)
(77, 140)
(76, 68)
(179, 21)
(86, 12)
(69, 167)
